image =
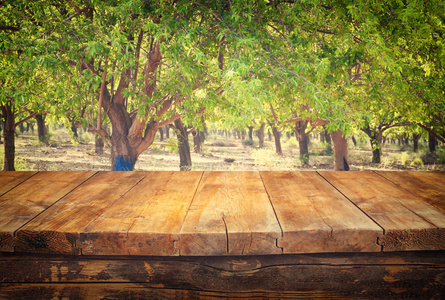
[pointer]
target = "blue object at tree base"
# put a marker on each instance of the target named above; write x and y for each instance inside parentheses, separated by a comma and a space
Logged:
(122, 164)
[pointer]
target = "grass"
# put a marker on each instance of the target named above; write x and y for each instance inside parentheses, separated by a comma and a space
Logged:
(20, 163)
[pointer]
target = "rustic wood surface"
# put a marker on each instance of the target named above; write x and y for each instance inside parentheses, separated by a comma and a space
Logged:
(394, 275)
(146, 220)
(315, 217)
(220, 213)
(231, 214)
(409, 223)
(57, 229)
(31, 198)
(10, 179)
(429, 186)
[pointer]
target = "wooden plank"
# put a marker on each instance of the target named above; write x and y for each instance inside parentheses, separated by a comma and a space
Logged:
(414, 275)
(57, 229)
(10, 179)
(429, 186)
(409, 223)
(146, 220)
(231, 214)
(32, 197)
(315, 217)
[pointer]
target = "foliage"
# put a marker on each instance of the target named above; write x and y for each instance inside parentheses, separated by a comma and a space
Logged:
(248, 142)
(140, 65)
(172, 145)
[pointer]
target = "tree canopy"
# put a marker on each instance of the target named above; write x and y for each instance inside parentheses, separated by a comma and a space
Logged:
(146, 64)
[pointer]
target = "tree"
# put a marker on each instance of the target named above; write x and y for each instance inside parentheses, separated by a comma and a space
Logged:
(147, 64)
(340, 151)
(23, 77)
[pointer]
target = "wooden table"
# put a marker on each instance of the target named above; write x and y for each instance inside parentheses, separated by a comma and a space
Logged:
(233, 234)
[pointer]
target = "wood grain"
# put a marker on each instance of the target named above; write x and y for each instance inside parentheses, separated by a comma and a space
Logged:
(57, 229)
(230, 214)
(315, 217)
(10, 179)
(409, 223)
(335, 275)
(429, 186)
(31, 197)
(146, 220)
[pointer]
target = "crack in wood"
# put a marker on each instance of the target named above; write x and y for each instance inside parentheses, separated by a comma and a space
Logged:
(227, 235)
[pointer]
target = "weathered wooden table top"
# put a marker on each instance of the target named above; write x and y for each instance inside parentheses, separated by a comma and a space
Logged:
(221, 213)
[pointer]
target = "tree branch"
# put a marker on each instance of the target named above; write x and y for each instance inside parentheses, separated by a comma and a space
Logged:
(30, 117)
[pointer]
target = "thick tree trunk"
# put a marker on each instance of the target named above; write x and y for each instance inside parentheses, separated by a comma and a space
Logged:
(9, 137)
(432, 142)
(340, 151)
(185, 159)
(123, 155)
(42, 130)
(261, 135)
(303, 141)
(416, 138)
(277, 138)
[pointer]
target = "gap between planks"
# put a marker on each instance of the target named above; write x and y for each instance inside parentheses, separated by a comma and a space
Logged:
(274, 210)
(94, 174)
(358, 207)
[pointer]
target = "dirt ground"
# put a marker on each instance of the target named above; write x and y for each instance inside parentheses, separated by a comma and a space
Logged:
(219, 153)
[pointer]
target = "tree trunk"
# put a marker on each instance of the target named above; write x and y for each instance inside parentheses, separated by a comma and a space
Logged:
(42, 130)
(123, 155)
(161, 134)
(277, 138)
(131, 135)
(167, 132)
(198, 140)
(250, 132)
(300, 131)
(204, 125)
(185, 159)
(99, 145)
(354, 141)
(376, 151)
(416, 138)
(375, 138)
(74, 130)
(432, 142)
(261, 135)
(8, 137)
(73, 126)
(340, 151)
